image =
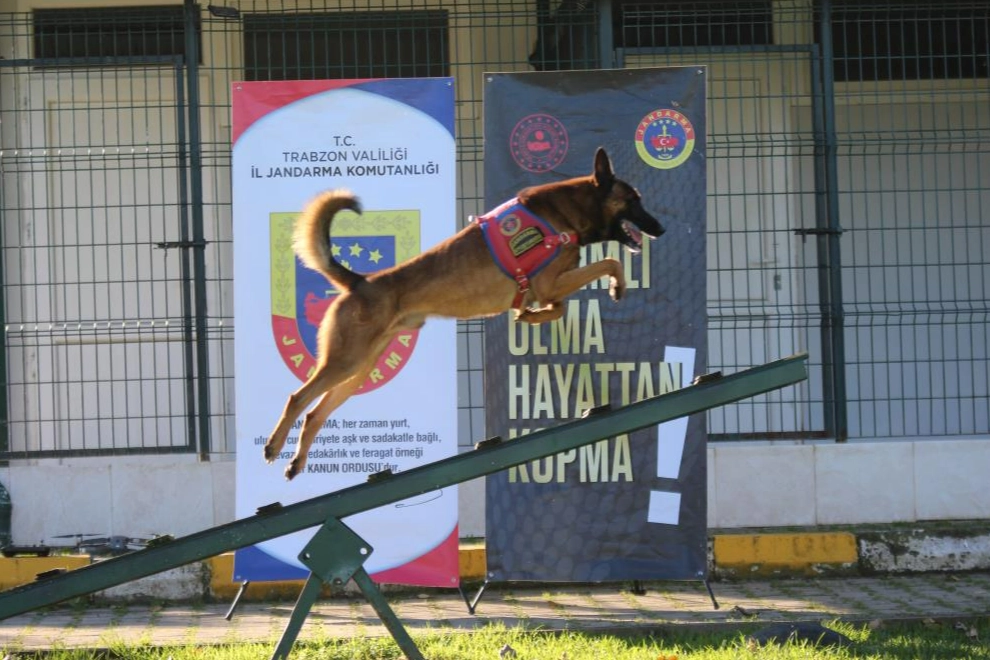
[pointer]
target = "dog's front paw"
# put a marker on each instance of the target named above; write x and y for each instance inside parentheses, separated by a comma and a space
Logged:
(617, 289)
(270, 453)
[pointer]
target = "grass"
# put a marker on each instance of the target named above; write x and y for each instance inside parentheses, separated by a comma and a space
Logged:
(891, 642)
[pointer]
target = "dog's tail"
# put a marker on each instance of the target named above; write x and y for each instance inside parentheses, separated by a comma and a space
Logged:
(311, 237)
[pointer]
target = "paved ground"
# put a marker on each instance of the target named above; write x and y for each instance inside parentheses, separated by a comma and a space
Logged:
(936, 595)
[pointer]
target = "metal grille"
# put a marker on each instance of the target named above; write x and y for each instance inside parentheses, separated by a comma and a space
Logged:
(848, 210)
(913, 164)
(764, 164)
(298, 46)
(848, 206)
(97, 332)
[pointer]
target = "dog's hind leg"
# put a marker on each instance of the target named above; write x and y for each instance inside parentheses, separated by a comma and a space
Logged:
(314, 419)
(297, 403)
(339, 361)
(345, 387)
(549, 312)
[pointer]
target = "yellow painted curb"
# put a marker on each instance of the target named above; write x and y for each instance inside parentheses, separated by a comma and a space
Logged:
(805, 553)
(15, 571)
(733, 554)
(473, 563)
(222, 587)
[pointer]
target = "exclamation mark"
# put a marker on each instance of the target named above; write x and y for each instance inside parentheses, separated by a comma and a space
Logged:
(665, 506)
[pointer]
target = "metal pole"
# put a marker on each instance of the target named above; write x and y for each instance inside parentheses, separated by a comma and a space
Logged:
(188, 336)
(4, 425)
(833, 236)
(606, 44)
(198, 242)
(821, 245)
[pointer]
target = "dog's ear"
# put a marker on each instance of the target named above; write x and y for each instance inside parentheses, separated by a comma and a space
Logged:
(604, 176)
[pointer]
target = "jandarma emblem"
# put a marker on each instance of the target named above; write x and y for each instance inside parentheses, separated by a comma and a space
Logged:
(509, 225)
(538, 143)
(664, 138)
(300, 296)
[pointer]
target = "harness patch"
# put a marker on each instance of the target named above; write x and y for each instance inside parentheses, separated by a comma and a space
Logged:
(526, 240)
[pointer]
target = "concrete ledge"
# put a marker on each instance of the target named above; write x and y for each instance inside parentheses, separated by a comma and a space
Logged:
(915, 551)
(172, 585)
(959, 546)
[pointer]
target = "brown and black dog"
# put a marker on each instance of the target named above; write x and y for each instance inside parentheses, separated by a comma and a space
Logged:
(459, 278)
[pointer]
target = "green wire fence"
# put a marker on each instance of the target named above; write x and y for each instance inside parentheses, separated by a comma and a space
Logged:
(848, 207)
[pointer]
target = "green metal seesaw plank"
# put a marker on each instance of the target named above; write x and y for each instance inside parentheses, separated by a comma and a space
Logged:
(410, 483)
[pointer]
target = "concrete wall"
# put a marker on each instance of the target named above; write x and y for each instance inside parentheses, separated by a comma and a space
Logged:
(749, 485)
(859, 482)
(132, 496)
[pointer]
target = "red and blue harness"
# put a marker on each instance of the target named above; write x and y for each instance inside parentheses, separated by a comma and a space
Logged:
(521, 243)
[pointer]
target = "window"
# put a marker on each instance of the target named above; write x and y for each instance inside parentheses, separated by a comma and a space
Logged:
(909, 40)
(110, 32)
(566, 36)
(701, 23)
(394, 44)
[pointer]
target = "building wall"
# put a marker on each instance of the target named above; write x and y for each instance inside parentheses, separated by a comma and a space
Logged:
(762, 485)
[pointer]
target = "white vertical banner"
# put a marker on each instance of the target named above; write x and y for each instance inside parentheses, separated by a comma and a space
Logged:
(391, 142)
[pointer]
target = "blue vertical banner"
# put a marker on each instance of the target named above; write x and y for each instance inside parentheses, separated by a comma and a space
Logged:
(391, 142)
(631, 507)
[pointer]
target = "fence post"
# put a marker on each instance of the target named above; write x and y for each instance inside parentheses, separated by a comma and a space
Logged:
(185, 267)
(837, 422)
(199, 244)
(606, 44)
(4, 419)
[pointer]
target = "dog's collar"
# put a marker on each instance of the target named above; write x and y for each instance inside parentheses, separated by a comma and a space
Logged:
(521, 243)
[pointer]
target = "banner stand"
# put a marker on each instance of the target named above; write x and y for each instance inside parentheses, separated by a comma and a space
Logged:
(391, 143)
(472, 603)
(637, 589)
(632, 507)
(237, 599)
